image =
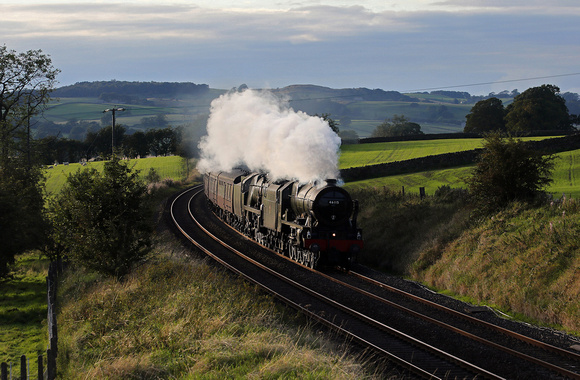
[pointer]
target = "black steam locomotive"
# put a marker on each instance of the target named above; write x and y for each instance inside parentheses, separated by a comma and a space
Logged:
(313, 224)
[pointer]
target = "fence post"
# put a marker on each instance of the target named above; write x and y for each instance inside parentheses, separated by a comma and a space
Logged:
(422, 192)
(23, 372)
(4, 371)
(40, 368)
(403, 190)
(50, 364)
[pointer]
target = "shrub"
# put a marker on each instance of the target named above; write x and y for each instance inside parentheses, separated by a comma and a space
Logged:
(102, 220)
(507, 170)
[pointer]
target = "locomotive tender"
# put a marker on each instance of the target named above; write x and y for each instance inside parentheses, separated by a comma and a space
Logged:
(313, 224)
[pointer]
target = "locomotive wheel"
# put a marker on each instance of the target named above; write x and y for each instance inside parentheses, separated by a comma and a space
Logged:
(311, 260)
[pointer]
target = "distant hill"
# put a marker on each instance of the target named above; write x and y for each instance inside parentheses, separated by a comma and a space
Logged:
(307, 92)
(136, 89)
(357, 110)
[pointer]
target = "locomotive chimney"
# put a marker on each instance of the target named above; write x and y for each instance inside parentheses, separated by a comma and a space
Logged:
(331, 182)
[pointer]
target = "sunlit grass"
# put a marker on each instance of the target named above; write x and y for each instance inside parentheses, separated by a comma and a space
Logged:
(356, 155)
(566, 177)
(377, 153)
(23, 311)
(166, 167)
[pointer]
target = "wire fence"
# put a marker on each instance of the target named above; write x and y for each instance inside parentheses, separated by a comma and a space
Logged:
(46, 364)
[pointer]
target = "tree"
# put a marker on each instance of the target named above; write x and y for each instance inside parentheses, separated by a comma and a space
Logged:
(486, 115)
(26, 80)
(102, 220)
(507, 171)
(162, 141)
(22, 219)
(99, 143)
(333, 124)
(538, 109)
(397, 126)
(136, 145)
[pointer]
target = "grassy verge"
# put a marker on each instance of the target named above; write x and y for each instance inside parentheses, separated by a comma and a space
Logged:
(23, 311)
(179, 318)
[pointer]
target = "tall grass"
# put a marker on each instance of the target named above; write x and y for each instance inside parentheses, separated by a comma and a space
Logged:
(178, 318)
(397, 226)
(525, 260)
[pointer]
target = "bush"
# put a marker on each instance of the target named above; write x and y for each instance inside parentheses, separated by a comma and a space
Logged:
(507, 170)
(102, 220)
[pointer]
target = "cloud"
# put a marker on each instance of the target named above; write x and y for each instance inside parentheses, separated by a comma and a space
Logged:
(401, 46)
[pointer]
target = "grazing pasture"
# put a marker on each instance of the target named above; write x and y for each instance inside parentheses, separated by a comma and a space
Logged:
(173, 167)
(566, 177)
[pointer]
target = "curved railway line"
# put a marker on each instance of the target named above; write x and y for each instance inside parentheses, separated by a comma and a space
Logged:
(425, 338)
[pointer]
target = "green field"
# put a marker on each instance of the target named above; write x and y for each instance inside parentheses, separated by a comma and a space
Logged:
(566, 177)
(355, 155)
(167, 167)
(378, 153)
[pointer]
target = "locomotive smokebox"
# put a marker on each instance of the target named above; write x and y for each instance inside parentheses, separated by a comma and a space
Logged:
(330, 204)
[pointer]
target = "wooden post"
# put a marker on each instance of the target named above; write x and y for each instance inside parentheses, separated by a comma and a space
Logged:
(50, 364)
(40, 368)
(422, 192)
(23, 371)
(4, 371)
(403, 190)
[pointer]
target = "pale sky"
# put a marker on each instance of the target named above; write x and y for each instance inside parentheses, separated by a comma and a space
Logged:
(393, 45)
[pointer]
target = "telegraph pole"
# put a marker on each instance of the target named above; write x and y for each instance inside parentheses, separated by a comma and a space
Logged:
(113, 111)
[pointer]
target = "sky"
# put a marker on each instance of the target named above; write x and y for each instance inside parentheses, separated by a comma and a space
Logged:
(478, 46)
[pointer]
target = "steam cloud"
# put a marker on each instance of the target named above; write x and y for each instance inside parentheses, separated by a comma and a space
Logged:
(256, 130)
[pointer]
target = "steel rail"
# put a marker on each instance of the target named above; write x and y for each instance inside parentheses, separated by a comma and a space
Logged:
(513, 334)
(307, 290)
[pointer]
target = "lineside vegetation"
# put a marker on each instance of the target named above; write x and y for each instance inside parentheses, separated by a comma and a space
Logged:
(177, 317)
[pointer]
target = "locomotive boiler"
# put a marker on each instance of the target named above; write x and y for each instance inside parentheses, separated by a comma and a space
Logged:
(313, 224)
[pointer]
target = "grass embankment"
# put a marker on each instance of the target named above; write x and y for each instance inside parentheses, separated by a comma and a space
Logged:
(23, 311)
(524, 261)
(179, 318)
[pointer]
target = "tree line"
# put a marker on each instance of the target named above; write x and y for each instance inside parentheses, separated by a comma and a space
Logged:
(536, 109)
(98, 144)
(140, 89)
(540, 108)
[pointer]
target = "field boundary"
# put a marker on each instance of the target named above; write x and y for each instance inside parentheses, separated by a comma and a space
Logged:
(449, 160)
(458, 135)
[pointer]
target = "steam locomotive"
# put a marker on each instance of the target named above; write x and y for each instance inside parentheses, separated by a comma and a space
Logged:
(312, 224)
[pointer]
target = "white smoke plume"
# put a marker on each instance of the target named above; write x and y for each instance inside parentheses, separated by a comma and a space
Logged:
(254, 129)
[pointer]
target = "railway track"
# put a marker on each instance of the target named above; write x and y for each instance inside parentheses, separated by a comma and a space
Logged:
(393, 323)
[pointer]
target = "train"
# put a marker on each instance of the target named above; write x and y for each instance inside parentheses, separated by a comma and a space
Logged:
(314, 224)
